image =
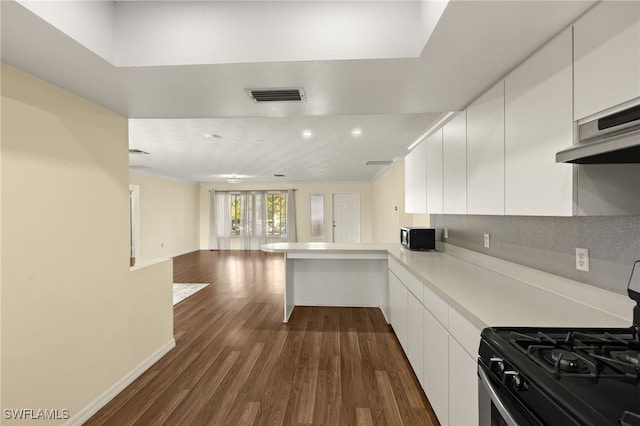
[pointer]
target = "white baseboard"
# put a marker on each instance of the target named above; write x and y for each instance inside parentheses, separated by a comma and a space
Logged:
(94, 406)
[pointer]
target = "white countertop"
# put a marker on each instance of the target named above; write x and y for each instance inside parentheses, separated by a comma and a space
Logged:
(326, 247)
(489, 295)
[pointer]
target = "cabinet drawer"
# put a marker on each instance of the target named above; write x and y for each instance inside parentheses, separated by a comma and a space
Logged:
(464, 332)
(413, 284)
(436, 306)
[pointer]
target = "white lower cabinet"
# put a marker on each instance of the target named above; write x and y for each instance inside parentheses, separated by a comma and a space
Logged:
(429, 330)
(463, 386)
(415, 335)
(435, 377)
(398, 309)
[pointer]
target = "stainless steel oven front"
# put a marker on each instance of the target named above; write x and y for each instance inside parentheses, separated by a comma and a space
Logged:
(496, 406)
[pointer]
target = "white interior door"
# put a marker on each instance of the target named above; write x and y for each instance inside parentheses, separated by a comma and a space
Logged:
(346, 217)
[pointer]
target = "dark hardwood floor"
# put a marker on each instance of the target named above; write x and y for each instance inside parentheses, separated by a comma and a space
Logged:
(236, 362)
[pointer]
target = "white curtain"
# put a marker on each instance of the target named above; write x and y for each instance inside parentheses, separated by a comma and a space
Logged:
(253, 220)
(291, 235)
(253, 226)
(220, 221)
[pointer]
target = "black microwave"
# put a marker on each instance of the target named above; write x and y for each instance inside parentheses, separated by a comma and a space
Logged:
(418, 238)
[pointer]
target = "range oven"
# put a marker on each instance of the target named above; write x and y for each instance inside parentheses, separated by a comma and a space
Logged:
(561, 376)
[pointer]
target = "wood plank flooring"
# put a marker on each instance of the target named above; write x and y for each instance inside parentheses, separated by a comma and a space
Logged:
(237, 363)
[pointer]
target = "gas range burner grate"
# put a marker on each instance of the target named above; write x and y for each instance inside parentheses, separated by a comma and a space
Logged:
(579, 354)
(625, 360)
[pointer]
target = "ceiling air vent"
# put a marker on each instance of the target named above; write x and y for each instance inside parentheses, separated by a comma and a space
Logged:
(379, 163)
(276, 95)
(137, 151)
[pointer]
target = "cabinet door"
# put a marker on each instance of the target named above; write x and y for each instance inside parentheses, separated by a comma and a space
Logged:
(463, 386)
(538, 123)
(420, 178)
(435, 381)
(434, 173)
(606, 57)
(398, 309)
(454, 153)
(485, 153)
(415, 335)
(385, 297)
(409, 205)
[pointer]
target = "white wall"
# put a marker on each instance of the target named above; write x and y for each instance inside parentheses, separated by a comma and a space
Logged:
(75, 319)
(206, 32)
(169, 217)
(90, 23)
(303, 192)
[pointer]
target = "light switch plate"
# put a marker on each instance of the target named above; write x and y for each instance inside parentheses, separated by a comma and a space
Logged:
(487, 240)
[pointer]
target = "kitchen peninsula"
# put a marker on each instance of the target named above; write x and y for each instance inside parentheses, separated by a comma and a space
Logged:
(486, 290)
(328, 274)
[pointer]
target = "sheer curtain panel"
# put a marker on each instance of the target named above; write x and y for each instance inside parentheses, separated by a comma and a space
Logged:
(220, 225)
(253, 219)
(243, 218)
(292, 233)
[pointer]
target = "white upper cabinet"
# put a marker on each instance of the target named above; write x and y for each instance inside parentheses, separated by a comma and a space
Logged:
(606, 57)
(454, 147)
(485, 153)
(538, 123)
(409, 205)
(434, 173)
(420, 178)
(415, 180)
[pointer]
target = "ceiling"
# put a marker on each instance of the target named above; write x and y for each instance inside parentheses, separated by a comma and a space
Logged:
(391, 97)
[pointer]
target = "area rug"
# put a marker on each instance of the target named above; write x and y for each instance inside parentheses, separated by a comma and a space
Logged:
(183, 290)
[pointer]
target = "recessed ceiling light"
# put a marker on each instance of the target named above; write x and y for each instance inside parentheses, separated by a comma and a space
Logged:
(307, 134)
(356, 132)
(233, 180)
(211, 136)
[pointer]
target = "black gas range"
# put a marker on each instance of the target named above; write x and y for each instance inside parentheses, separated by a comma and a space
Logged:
(561, 376)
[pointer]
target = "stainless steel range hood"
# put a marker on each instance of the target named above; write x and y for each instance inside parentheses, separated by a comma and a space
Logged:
(609, 139)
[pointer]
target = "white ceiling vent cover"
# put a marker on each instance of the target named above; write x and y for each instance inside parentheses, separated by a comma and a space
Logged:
(379, 163)
(137, 151)
(277, 95)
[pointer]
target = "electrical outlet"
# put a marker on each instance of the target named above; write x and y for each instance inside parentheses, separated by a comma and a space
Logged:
(582, 259)
(487, 241)
(446, 233)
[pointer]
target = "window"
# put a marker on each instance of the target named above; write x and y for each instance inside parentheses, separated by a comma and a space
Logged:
(277, 214)
(235, 214)
(317, 216)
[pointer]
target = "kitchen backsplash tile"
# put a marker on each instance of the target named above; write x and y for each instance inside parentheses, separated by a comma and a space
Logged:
(549, 243)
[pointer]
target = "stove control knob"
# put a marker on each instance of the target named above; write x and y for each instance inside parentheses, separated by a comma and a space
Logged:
(513, 380)
(496, 365)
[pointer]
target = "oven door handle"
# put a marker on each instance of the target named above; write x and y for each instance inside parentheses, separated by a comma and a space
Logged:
(506, 415)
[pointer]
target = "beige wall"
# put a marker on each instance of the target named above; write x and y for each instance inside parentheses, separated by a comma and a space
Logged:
(303, 192)
(388, 206)
(75, 320)
(169, 217)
